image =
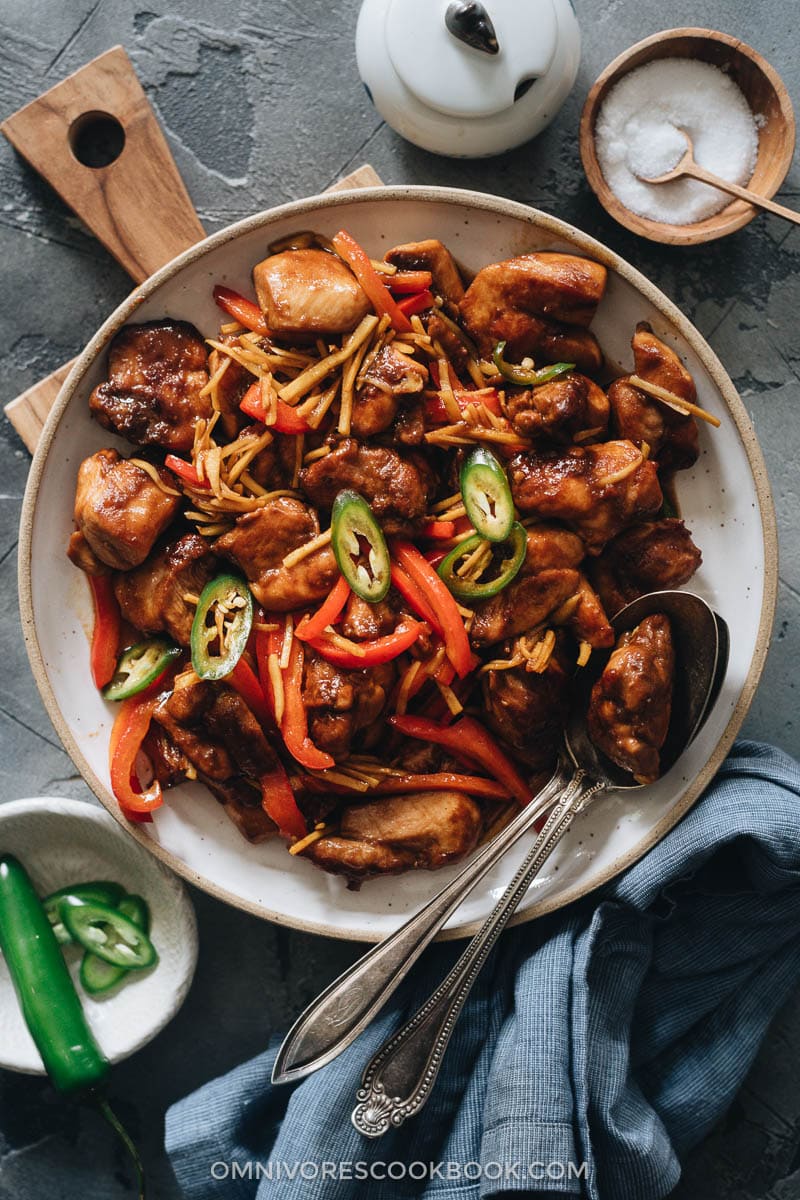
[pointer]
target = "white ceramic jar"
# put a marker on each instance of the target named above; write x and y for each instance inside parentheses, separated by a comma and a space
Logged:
(467, 79)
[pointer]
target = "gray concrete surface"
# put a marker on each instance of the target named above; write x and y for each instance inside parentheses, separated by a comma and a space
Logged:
(261, 103)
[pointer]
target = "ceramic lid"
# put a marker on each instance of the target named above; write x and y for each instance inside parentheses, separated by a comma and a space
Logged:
(454, 78)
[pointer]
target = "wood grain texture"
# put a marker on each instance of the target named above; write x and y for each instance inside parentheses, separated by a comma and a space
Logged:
(137, 206)
(28, 412)
(764, 91)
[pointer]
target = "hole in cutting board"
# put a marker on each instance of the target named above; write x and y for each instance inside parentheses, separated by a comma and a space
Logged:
(96, 139)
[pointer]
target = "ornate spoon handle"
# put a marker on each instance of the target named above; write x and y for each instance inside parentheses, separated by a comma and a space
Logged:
(399, 1079)
(345, 1008)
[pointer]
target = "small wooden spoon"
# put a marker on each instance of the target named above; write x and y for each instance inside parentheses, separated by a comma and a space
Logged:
(687, 166)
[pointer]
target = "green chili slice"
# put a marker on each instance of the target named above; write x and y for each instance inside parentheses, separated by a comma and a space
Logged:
(108, 933)
(487, 496)
(504, 571)
(98, 976)
(225, 604)
(97, 889)
(139, 666)
(360, 547)
(514, 373)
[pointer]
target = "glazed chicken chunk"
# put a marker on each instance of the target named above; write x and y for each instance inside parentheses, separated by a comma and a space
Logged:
(259, 542)
(649, 556)
(430, 255)
(398, 487)
(560, 409)
(308, 292)
(343, 703)
(596, 490)
(156, 373)
(523, 605)
(398, 833)
(631, 702)
(671, 436)
(540, 305)
(528, 709)
(153, 596)
(388, 378)
(120, 511)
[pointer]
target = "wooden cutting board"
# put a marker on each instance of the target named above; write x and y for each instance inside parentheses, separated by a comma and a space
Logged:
(136, 203)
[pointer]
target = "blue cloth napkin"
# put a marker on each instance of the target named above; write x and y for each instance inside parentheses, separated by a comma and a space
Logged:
(598, 1046)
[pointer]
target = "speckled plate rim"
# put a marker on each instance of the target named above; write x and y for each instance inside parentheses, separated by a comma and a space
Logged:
(503, 208)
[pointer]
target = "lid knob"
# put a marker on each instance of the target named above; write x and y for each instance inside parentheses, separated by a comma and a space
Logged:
(470, 23)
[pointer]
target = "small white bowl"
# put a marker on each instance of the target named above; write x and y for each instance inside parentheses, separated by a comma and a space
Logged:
(61, 842)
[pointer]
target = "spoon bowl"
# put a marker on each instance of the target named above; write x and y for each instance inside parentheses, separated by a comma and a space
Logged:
(399, 1078)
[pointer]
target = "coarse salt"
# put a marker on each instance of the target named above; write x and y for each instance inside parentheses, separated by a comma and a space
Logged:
(638, 133)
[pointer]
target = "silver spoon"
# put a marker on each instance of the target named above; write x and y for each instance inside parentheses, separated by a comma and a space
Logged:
(399, 1078)
(688, 166)
(344, 1009)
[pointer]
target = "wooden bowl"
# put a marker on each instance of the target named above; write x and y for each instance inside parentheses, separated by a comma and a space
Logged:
(764, 91)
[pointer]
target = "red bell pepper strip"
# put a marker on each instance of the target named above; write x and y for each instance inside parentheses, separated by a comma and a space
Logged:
(246, 312)
(439, 598)
(405, 282)
(398, 785)
(105, 635)
(438, 530)
(467, 738)
(294, 726)
(128, 732)
(414, 598)
(244, 680)
(313, 626)
(373, 285)
(278, 802)
(416, 303)
(186, 472)
(437, 414)
(434, 557)
(286, 420)
(378, 650)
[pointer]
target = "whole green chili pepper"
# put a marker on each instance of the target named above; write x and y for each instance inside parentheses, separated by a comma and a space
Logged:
(50, 1005)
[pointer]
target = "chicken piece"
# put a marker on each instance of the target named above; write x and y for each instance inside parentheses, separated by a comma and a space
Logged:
(589, 621)
(364, 621)
(242, 805)
(183, 715)
(560, 409)
(521, 606)
(168, 762)
(430, 255)
(409, 426)
(308, 292)
(120, 510)
(597, 490)
(646, 558)
(260, 540)
(458, 349)
(81, 554)
(342, 703)
(529, 710)
(397, 487)
(218, 715)
(386, 836)
(630, 705)
(390, 376)
(151, 597)
(156, 372)
(671, 436)
(540, 305)
(552, 546)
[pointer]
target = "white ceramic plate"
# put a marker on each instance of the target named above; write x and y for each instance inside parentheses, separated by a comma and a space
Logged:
(725, 500)
(62, 842)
